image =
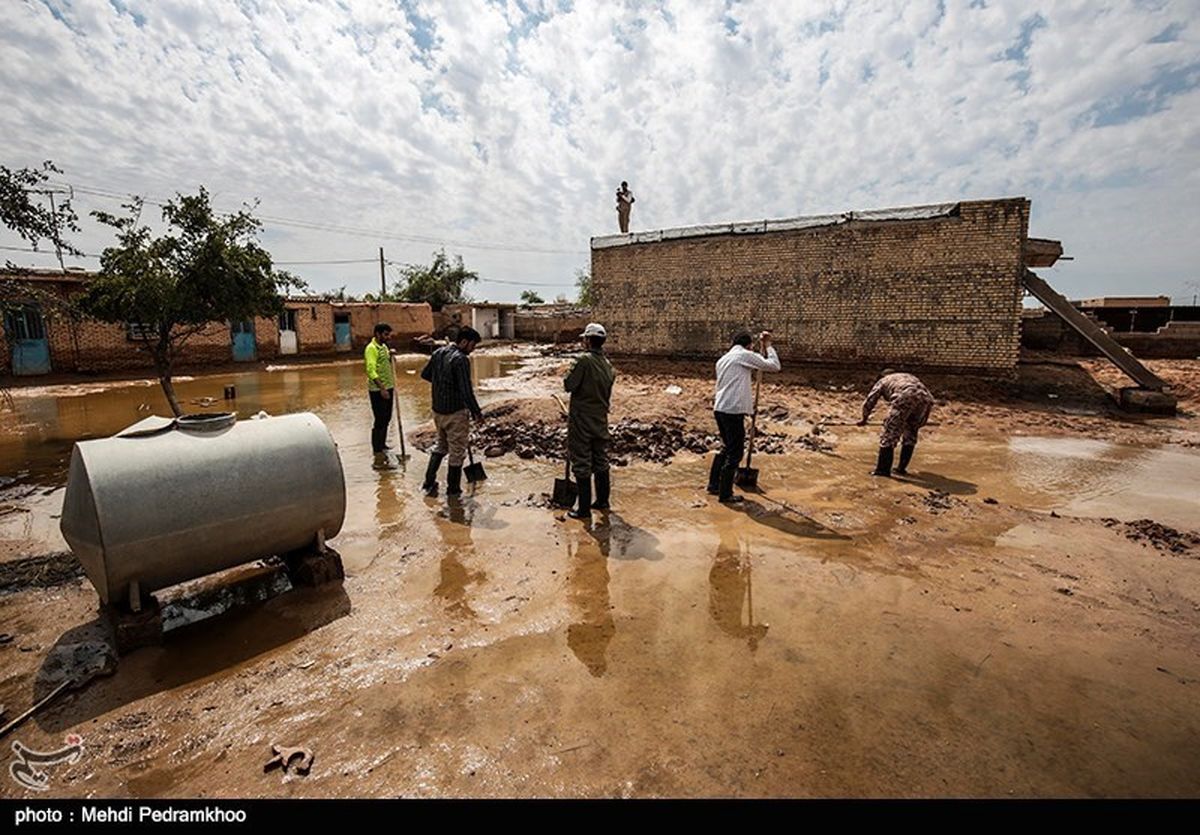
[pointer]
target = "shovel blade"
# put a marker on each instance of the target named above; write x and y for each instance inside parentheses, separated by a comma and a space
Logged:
(474, 473)
(746, 477)
(565, 493)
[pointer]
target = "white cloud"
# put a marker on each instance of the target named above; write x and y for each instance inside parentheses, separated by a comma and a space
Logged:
(513, 121)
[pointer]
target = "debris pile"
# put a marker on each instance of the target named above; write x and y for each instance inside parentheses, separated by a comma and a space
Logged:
(1158, 535)
(631, 440)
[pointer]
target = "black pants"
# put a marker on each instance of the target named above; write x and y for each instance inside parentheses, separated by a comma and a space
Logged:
(733, 446)
(381, 407)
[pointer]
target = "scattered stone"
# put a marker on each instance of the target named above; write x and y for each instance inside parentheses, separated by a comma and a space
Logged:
(1066, 591)
(937, 501)
(1161, 537)
(990, 500)
(493, 451)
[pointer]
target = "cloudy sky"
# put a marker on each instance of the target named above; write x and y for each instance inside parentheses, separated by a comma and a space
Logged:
(502, 128)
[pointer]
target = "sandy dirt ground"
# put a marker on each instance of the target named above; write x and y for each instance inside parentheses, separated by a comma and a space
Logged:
(1017, 618)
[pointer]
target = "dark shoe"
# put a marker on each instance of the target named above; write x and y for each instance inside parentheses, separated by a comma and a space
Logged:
(454, 481)
(884, 466)
(603, 489)
(714, 475)
(382, 462)
(726, 488)
(431, 471)
(906, 454)
(584, 510)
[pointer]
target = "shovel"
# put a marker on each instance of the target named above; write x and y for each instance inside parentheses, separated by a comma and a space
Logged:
(473, 471)
(747, 477)
(565, 491)
(396, 408)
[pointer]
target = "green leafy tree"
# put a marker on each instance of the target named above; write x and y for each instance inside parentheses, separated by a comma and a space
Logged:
(206, 269)
(529, 297)
(586, 293)
(26, 208)
(441, 283)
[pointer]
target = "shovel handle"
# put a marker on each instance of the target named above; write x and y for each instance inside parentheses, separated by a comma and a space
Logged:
(567, 456)
(754, 419)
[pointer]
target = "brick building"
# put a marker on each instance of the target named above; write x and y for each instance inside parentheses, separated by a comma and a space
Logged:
(935, 287)
(355, 322)
(38, 338)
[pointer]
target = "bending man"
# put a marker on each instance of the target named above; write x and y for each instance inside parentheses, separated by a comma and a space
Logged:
(910, 405)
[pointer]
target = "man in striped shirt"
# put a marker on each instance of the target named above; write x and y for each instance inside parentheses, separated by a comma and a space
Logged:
(733, 402)
(454, 404)
(381, 385)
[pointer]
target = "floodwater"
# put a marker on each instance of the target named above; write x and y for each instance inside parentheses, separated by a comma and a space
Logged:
(36, 438)
(838, 635)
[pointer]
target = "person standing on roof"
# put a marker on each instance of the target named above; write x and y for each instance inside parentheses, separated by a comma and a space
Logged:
(381, 386)
(734, 400)
(454, 404)
(910, 405)
(590, 383)
(624, 204)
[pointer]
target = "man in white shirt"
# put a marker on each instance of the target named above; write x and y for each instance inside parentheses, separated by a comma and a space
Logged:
(733, 402)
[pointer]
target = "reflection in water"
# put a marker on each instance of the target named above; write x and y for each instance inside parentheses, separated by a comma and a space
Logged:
(594, 628)
(453, 573)
(389, 511)
(731, 589)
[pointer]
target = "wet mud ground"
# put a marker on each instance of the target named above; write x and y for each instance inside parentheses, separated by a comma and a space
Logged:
(999, 624)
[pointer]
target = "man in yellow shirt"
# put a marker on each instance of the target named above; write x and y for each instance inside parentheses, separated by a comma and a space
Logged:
(381, 386)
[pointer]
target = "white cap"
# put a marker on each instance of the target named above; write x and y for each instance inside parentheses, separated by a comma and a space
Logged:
(594, 329)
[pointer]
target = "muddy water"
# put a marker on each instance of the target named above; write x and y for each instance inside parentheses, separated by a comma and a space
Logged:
(837, 635)
(36, 437)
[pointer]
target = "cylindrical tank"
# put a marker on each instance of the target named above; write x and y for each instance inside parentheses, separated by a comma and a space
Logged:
(159, 504)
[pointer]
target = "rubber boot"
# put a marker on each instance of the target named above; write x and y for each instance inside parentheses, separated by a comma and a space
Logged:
(431, 471)
(884, 466)
(727, 495)
(603, 489)
(714, 475)
(382, 462)
(584, 511)
(454, 481)
(906, 453)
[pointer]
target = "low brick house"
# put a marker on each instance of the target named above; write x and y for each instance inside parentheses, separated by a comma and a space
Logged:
(936, 287)
(39, 338)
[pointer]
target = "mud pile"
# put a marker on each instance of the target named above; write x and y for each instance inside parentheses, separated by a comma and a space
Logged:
(1160, 536)
(631, 440)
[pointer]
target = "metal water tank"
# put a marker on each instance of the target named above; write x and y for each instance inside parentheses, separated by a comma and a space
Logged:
(164, 501)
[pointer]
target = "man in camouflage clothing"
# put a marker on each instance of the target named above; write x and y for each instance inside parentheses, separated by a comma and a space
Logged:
(910, 405)
(590, 383)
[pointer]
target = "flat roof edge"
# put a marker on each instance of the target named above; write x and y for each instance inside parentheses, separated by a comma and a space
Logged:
(929, 211)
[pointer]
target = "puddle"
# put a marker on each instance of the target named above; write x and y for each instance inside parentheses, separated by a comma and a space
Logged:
(1100, 479)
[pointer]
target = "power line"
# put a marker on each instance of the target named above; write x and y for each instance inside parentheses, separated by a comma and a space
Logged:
(357, 231)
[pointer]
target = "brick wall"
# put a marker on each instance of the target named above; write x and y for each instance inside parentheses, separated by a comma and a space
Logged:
(942, 292)
(545, 326)
(407, 321)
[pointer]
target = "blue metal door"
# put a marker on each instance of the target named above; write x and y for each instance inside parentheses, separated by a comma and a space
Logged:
(26, 331)
(244, 349)
(341, 335)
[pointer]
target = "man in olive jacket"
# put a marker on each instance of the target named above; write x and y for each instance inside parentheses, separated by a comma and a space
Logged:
(590, 383)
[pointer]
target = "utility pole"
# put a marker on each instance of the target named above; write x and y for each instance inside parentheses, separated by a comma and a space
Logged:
(57, 245)
(382, 277)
